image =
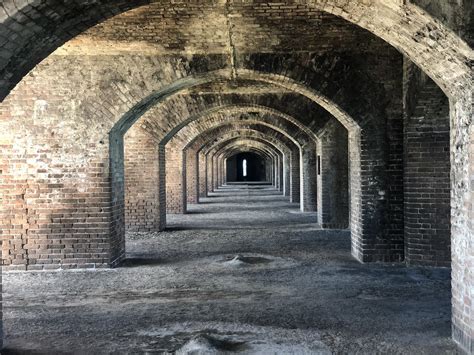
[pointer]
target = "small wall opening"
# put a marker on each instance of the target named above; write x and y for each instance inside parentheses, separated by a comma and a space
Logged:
(246, 167)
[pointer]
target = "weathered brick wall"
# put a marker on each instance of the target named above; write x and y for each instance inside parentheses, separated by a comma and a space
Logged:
(192, 176)
(175, 180)
(308, 179)
(427, 171)
(202, 175)
(295, 177)
(215, 173)
(59, 215)
(209, 170)
(287, 174)
(462, 222)
(333, 178)
(143, 201)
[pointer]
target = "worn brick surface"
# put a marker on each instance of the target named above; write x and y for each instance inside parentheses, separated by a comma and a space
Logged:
(63, 168)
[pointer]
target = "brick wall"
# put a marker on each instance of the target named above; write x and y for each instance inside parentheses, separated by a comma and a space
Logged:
(202, 175)
(142, 187)
(175, 180)
(427, 171)
(295, 176)
(192, 176)
(333, 179)
(308, 179)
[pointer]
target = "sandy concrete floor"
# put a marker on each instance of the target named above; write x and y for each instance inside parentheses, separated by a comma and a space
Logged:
(243, 272)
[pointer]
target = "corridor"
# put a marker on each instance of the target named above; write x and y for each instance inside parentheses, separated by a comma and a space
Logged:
(244, 271)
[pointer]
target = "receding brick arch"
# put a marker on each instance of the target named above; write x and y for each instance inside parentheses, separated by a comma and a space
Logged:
(201, 145)
(247, 144)
(209, 147)
(236, 109)
(215, 152)
(176, 150)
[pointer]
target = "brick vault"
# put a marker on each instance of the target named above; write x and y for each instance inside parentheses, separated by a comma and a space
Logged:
(117, 117)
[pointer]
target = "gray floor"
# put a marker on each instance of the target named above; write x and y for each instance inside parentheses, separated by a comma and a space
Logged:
(243, 272)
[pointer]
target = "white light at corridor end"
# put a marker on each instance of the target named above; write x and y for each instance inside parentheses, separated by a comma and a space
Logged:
(244, 167)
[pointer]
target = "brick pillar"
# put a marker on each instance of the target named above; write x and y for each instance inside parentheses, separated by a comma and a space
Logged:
(308, 179)
(371, 217)
(427, 171)
(192, 176)
(215, 173)
(143, 201)
(277, 172)
(220, 168)
(281, 172)
(210, 183)
(175, 180)
(224, 171)
(287, 175)
(462, 227)
(295, 176)
(333, 186)
(202, 165)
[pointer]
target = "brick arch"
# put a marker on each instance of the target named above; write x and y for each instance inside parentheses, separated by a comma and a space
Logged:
(195, 123)
(163, 95)
(202, 146)
(205, 142)
(180, 161)
(211, 122)
(241, 133)
(218, 150)
(404, 26)
(246, 144)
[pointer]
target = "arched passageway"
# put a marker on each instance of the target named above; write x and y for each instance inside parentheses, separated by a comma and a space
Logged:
(120, 118)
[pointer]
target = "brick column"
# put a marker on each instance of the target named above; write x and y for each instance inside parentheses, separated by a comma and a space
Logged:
(192, 176)
(215, 173)
(462, 229)
(143, 201)
(202, 165)
(295, 176)
(427, 171)
(175, 180)
(281, 172)
(374, 237)
(308, 179)
(277, 172)
(210, 184)
(333, 186)
(220, 170)
(287, 175)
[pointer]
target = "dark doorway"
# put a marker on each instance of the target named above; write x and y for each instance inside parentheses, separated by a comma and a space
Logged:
(246, 167)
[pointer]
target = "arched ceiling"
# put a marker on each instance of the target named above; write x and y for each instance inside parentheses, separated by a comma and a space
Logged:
(35, 28)
(284, 128)
(207, 142)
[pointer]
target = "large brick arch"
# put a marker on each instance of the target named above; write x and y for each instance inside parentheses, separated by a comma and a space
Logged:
(403, 25)
(211, 122)
(218, 113)
(207, 139)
